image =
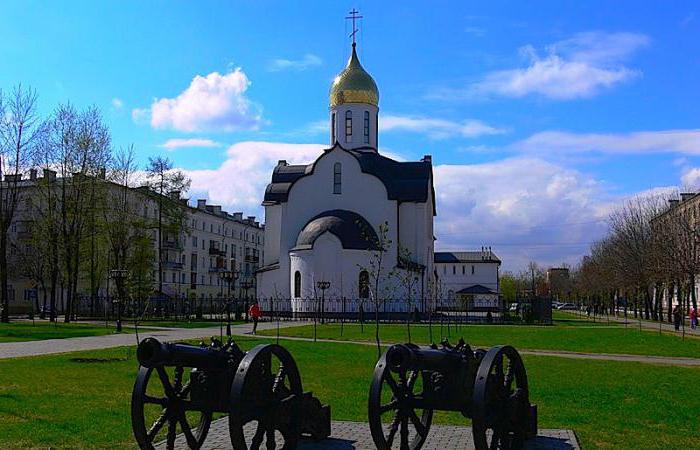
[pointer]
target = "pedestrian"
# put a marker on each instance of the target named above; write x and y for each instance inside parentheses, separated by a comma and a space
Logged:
(677, 317)
(255, 312)
(693, 318)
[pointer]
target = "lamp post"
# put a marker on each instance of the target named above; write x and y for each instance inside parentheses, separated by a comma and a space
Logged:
(323, 285)
(228, 277)
(245, 285)
(119, 275)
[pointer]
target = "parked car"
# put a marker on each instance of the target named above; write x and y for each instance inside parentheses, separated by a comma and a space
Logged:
(567, 307)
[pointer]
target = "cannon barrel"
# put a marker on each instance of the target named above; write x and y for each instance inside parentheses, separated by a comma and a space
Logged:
(402, 357)
(153, 353)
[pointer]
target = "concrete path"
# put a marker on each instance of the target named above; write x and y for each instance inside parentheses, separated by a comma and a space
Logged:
(632, 322)
(356, 436)
(51, 346)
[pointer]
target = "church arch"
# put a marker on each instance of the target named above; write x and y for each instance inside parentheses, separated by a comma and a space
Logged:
(363, 284)
(297, 284)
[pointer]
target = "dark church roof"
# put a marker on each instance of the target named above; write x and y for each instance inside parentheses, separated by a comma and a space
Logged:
(352, 229)
(465, 257)
(476, 289)
(404, 181)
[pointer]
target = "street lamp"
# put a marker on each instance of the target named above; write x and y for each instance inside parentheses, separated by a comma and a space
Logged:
(228, 277)
(245, 285)
(119, 275)
(323, 285)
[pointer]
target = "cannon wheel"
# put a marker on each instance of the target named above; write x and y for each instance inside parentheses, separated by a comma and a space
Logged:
(396, 404)
(501, 401)
(172, 400)
(267, 390)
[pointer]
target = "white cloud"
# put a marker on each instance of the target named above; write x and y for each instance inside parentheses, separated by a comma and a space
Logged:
(308, 61)
(437, 128)
(524, 208)
(641, 142)
(578, 67)
(239, 182)
(214, 102)
(691, 178)
(172, 144)
(117, 103)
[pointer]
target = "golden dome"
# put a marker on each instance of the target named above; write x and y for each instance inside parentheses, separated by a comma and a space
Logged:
(354, 85)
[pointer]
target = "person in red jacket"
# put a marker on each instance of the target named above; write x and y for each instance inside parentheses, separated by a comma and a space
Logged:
(255, 312)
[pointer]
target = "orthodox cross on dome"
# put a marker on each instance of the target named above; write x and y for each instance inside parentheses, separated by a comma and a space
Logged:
(353, 16)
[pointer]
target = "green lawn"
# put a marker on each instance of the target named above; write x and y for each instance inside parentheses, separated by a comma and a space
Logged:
(593, 339)
(26, 331)
(81, 400)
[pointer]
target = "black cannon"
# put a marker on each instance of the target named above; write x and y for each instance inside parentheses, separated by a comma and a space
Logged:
(181, 386)
(490, 387)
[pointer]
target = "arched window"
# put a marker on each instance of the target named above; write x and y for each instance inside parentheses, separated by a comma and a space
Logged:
(337, 177)
(366, 134)
(333, 129)
(297, 284)
(348, 126)
(364, 284)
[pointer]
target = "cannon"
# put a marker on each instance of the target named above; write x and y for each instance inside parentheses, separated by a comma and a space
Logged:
(181, 387)
(490, 387)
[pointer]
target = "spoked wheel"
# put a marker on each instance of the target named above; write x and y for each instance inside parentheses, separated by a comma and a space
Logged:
(160, 405)
(396, 417)
(266, 400)
(501, 401)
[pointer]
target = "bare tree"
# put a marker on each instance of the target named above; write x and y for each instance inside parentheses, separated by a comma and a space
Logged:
(167, 184)
(19, 128)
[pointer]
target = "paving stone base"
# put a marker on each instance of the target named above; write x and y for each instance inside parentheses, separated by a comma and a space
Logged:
(356, 436)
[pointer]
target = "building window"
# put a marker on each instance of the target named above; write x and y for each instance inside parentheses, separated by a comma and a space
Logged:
(454, 270)
(364, 284)
(297, 284)
(337, 175)
(348, 126)
(463, 270)
(332, 128)
(472, 270)
(366, 134)
(376, 130)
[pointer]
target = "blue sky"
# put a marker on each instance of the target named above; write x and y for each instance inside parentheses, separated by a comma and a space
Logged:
(539, 115)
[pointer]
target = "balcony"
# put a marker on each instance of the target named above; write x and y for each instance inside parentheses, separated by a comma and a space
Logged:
(216, 251)
(172, 265)
(171, 244)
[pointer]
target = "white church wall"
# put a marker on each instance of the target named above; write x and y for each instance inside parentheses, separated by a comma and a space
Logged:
(457, 276)
(273, 220)
(357, 137)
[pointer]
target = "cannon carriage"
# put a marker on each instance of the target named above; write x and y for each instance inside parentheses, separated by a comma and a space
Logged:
(181, 387)
(412, 382)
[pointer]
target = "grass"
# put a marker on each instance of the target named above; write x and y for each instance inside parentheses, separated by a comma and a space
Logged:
(81, 400)
(563, 337)
(28, 331)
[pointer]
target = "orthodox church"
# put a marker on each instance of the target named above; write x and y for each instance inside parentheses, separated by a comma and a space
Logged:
(325, 221)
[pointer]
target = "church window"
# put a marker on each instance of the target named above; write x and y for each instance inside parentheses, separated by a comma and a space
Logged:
(454, 270)
(297, 284)
(333, 129)
(376, 130)
(366, 127)
(364, 284)
(337, 178)
(462, 270)
(348, 126)
(472, 270)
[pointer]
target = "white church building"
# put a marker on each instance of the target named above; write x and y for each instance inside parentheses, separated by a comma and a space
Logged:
(326, 220)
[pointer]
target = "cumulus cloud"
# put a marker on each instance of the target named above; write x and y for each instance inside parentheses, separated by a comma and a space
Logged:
(578, 67)
(524, 208)
(214, 102)
(691, 177)
(173, 144)
(437, 128)
(117, 103)
(239, 182)
(641, 142)
(308, 61)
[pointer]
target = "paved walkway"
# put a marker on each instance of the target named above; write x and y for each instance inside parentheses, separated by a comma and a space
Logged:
(645, 324)
(356, 436)
(51, 346)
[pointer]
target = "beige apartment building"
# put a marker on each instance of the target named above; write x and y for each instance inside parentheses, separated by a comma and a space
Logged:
(212, 242)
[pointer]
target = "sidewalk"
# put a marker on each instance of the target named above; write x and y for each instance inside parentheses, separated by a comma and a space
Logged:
(52, 346)
(645, 324)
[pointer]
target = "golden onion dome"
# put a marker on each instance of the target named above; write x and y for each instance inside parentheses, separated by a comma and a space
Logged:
(354, 85)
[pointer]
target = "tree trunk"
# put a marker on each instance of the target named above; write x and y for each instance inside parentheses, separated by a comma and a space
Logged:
(4, 292)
